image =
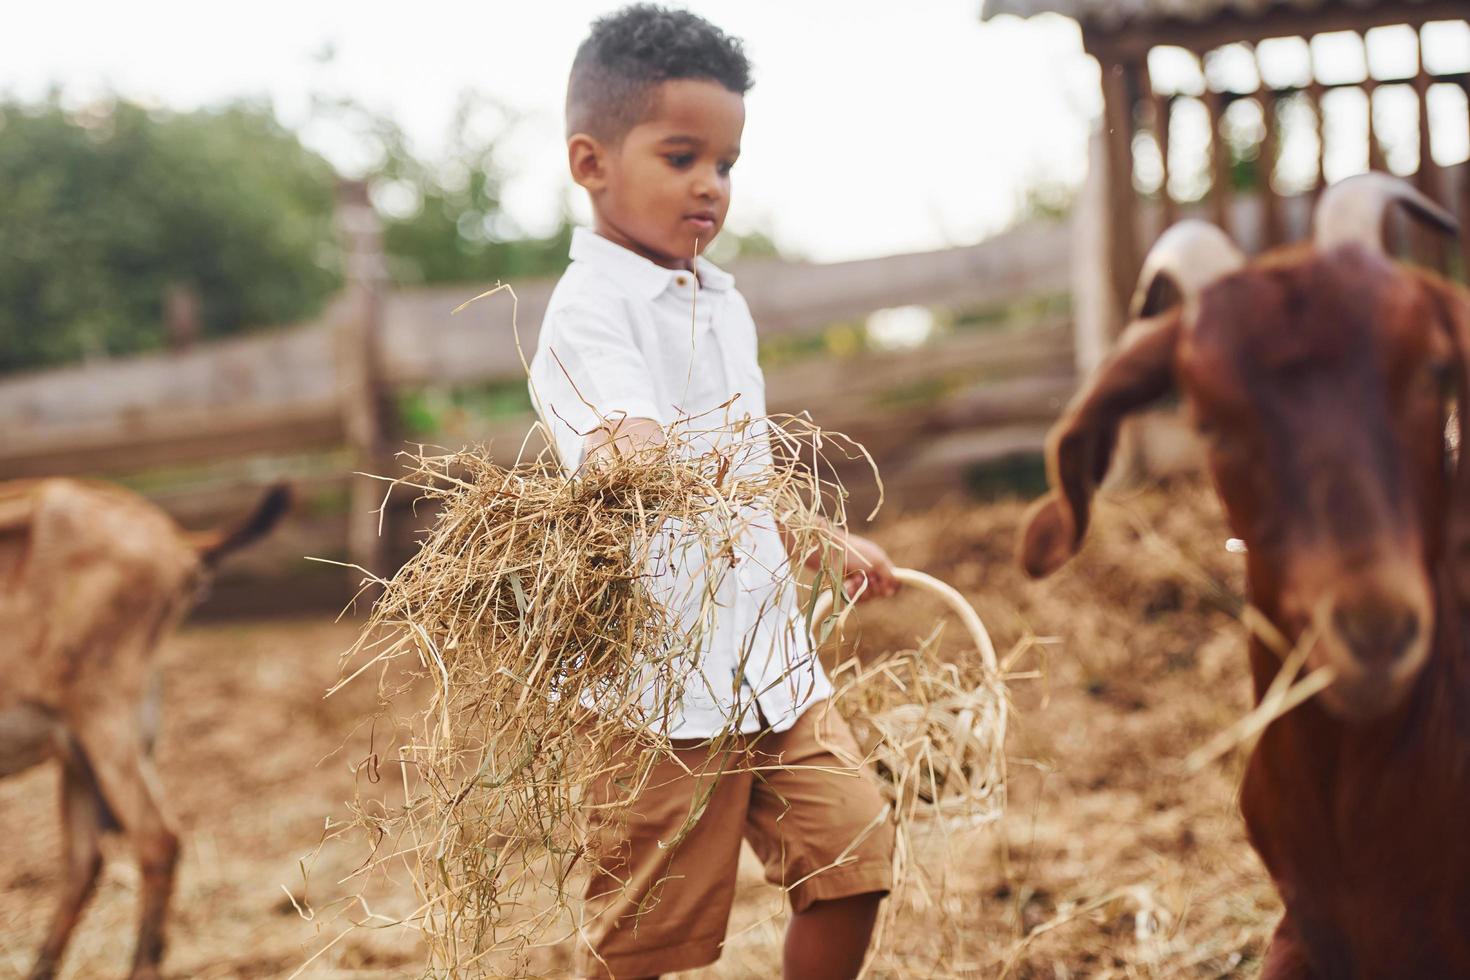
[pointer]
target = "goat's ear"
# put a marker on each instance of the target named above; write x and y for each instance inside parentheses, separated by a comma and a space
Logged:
(1080, 446)
(1454, 306)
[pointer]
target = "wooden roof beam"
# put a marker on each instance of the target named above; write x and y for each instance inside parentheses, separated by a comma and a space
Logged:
(1135, 40)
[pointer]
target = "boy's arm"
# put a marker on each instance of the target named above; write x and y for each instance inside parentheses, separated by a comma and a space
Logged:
(862, 560)
(589, 376)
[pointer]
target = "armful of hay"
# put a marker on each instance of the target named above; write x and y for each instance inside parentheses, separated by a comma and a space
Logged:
(532, 615)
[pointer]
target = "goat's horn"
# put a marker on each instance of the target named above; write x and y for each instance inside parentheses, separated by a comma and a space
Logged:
(1189, 256)
(1352, 210)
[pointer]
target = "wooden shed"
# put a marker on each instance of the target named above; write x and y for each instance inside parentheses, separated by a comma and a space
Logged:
(1267, 60)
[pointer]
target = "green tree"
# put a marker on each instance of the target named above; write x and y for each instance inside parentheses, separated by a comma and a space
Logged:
(443, 217)
(108, 209)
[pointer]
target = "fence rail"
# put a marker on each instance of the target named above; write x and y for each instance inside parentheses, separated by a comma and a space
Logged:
(283, 392)
(313, 388)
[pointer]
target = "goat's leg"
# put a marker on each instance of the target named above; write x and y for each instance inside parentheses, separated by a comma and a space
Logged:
(81, 825)
(114, 746)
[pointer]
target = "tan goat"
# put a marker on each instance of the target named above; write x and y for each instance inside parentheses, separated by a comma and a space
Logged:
(93, 577)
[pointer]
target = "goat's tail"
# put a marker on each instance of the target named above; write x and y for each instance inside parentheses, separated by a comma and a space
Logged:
(214, 545)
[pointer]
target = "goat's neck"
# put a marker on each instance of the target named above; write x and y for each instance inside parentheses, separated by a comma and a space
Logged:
(1362, 826)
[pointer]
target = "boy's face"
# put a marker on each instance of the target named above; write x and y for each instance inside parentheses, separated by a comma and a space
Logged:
(663, 192)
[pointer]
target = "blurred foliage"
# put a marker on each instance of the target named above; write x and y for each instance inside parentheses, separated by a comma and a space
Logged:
(108, 208)
(732, 246)
(1046, 200)
(1020, 475)
(462, 411)
(443, 217)
(112, 208)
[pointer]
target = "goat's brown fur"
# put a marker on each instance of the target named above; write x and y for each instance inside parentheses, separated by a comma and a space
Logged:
(94, 577)
(1321, 383)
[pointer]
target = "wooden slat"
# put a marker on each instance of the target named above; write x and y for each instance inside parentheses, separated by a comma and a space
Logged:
(1464, 184)
(283, 392)
(1163, 113)
(265, 371)
(1220, 190)
(1269, 21)
(1029, 261)
(1315, 90)
(856, 394)
(1376, 160)
(1124, 256)
(939, 466)
(1284, 91)
(1268, 154)
(828, 384)
(1036, 398)
(1159, 109)
(266, 393)
(366, 416)
(1430, 179)
(159, 440)
(1314, 97)
(424, 344)
(1266, 170)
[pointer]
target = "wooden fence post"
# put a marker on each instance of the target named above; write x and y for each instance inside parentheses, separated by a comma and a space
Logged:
(1095, 310)
(364, 400)
(1124, 258)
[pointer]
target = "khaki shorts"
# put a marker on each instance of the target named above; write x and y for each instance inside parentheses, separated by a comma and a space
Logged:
(818, 825)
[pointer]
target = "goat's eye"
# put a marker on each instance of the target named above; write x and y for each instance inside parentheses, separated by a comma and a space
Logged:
(1442, 376)
(1434, 380)
(1210, 432)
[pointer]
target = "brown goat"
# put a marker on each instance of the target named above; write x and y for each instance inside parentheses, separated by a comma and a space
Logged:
(1321, 379)
(94, 577)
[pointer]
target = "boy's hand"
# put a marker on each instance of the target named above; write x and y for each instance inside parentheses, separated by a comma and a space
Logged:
(615, 437)
(866, 561)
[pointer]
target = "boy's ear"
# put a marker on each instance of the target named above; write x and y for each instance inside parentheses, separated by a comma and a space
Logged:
(587, 159)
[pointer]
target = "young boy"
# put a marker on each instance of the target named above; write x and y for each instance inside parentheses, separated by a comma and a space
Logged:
(655, 110)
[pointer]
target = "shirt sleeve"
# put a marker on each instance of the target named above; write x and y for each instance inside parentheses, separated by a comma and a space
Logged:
(589, 368)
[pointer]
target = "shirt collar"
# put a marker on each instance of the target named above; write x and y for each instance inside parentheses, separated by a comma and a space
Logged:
(647, 277)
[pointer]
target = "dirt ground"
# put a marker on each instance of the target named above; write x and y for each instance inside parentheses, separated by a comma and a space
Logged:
(1112, 861)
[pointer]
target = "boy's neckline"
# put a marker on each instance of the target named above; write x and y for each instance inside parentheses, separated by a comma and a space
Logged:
(588, 245)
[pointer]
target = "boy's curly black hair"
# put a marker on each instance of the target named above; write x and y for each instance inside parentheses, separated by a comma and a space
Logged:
(629, 52)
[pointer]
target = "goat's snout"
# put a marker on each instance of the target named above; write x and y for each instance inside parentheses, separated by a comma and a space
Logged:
(1377, 630)
(1376, 640)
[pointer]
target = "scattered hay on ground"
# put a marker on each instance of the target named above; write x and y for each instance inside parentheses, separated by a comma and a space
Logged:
(1113, 859)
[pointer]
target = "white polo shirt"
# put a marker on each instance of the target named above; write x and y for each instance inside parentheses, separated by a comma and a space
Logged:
(631, 339)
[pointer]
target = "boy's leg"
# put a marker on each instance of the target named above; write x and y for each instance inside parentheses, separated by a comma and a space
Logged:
(829, 941)
(659, 894)
(822, 829)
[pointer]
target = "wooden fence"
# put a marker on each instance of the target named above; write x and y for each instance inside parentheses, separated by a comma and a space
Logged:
(324, 387)
(1139, 118)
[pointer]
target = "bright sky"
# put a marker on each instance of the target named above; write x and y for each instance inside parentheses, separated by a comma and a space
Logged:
(875, 126)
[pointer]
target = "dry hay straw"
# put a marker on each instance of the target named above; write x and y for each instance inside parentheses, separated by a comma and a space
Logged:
(531, 615)
(931, 727)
